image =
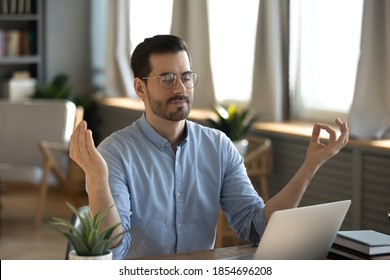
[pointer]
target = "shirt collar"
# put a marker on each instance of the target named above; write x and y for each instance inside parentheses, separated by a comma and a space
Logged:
(154, 137)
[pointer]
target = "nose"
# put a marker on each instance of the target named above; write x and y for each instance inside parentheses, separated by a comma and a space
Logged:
(179, 88)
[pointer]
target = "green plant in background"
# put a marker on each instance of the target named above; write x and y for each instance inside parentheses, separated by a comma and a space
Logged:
(235, 122)
(57, 88)
(89, 238)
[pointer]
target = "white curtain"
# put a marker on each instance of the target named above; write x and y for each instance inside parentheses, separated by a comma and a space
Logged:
(370, 110)
(118, 75)
(190, 22)
(270, 82)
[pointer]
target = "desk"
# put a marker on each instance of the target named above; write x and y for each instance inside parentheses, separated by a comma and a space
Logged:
(213, 254)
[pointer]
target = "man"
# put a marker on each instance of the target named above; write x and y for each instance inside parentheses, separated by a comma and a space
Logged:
(168, 176)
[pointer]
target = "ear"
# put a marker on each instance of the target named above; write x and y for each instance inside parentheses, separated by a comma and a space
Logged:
(140, 87)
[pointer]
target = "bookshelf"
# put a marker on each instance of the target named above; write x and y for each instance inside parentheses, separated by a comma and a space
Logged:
(21, 38)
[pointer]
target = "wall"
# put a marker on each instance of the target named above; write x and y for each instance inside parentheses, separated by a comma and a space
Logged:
(67, 42)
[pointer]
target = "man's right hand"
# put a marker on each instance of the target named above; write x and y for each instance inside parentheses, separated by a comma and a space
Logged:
(83, 151)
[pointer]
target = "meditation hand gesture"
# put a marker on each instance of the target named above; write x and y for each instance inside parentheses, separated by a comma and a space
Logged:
(84, 153)
(317, 152)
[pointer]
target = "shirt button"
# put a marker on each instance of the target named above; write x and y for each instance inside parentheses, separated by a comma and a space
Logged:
(178, 194)
(178, 225)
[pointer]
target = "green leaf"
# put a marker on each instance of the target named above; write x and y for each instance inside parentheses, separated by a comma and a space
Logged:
(100, 248)
(79, 245)
(93, 238)
(222, 113)
(235, 122)
(89, 238)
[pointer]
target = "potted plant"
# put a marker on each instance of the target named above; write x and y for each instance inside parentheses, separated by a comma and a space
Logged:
(57, 88)
(235, 122)
(89, 239)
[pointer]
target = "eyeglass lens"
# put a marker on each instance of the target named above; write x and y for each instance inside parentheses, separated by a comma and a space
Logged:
(189, 79)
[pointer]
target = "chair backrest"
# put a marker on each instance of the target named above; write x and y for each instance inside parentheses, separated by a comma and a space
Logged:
(24, 124)
(259, 163)
(259, 158)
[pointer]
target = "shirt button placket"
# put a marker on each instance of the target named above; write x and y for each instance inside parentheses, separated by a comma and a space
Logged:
(179, 201)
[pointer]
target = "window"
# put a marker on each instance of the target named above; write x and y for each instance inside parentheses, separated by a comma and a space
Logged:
(324, 49)
(98, 38)
(232, 48)
(225, 49)
(148, 18)
(324, 53)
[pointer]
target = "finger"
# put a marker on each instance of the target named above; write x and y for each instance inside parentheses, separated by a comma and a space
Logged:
(315, 136)
(344, 129)
(343, 126)
(82, 140)
(339, 122)
(90, 145)
(331, 131)
(74, 149)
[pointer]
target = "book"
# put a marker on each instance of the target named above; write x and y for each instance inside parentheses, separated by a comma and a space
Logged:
(337, 252)
(24, 43)
(369, 242)
(14, 43)
(4, 43)
(340, 253)
(2, 38)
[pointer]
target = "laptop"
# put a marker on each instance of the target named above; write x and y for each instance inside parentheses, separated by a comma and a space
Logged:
(303, 233)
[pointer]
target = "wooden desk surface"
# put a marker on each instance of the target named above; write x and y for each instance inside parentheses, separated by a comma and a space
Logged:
(215, 254)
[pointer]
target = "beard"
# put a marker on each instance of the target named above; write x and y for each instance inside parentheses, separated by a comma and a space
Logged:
(159, 108)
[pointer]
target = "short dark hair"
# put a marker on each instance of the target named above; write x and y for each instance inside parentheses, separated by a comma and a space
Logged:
(140, 59)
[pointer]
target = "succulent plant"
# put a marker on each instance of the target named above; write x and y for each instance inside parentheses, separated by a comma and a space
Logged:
(235, 122)
(89, 238)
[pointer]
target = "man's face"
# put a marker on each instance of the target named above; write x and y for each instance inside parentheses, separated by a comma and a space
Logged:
(172, 104)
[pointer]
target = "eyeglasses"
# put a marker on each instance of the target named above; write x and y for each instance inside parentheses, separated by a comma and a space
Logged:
(168, 80)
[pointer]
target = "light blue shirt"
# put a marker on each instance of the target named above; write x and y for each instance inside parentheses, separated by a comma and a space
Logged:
(169, 200)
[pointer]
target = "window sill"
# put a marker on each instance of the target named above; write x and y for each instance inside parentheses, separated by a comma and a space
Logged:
(304, 129)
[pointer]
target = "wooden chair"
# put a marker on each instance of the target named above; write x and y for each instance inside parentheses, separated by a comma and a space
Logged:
(70, 177)
(24, 126)
(259, 163)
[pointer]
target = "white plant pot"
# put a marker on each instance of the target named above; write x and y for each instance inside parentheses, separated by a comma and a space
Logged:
(242, 146)
(74, 256)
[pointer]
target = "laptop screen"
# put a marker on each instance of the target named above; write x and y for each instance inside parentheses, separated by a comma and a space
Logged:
(302, 233)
